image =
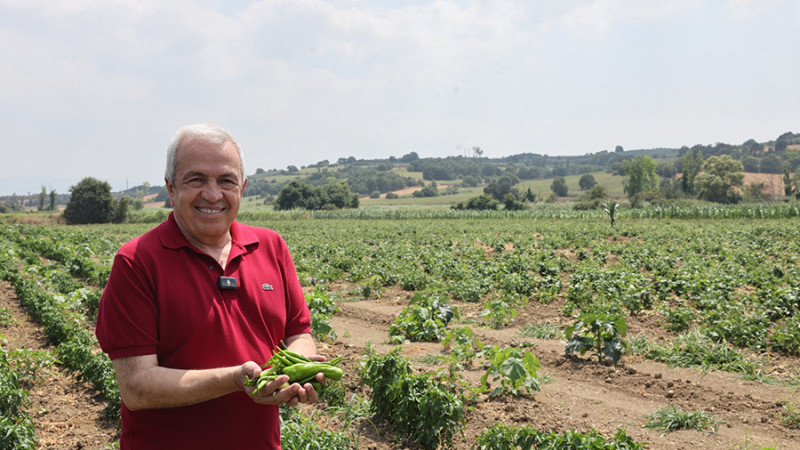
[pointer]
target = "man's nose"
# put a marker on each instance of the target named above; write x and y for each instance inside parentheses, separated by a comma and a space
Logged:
(212, 192)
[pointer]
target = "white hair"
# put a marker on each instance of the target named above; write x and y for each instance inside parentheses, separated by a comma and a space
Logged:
(205, 132)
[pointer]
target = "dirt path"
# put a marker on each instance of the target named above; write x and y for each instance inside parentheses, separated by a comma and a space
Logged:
(67, 413)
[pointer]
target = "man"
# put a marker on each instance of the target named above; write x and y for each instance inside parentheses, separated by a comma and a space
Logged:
(193, 307)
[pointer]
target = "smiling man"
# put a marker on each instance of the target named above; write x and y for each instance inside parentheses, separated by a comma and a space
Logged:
(185, 314)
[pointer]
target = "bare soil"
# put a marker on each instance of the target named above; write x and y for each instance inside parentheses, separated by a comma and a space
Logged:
(581, 395)
(773, 183)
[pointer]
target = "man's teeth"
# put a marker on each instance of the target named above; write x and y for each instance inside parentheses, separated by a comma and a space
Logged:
(209, 210)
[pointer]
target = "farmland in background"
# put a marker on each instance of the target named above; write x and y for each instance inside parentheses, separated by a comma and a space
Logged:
(709, 298)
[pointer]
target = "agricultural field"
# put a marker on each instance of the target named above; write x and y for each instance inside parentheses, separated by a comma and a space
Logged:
(671, 329)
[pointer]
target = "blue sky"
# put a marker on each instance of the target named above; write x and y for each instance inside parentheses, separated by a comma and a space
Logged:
(97, 88)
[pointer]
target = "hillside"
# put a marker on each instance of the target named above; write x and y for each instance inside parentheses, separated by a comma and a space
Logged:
(460, 178)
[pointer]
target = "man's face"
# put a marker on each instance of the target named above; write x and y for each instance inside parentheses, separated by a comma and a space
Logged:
(207, 191)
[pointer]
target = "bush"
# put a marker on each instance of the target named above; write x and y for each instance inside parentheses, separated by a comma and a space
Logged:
(480, 203)
(90, 202)
(600, 332)
(424, 319)
(420, 408)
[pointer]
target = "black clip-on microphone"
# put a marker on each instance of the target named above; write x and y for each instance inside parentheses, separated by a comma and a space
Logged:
(227, 283)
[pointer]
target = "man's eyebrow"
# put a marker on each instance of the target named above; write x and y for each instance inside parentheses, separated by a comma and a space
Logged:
(198, 173)
(188, 175)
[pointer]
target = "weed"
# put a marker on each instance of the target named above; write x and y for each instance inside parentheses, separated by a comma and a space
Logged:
(671, 418)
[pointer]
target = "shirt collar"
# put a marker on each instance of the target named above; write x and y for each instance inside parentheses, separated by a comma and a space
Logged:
(172, 237)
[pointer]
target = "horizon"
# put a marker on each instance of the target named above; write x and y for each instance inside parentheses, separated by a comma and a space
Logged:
(117, 186)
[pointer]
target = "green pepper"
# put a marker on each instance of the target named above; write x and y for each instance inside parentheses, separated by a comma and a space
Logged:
(302, 371)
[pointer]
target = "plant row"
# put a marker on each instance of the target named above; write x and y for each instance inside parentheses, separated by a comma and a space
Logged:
(66, 319)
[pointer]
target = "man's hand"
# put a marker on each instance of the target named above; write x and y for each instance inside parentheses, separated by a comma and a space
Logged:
(272, 393)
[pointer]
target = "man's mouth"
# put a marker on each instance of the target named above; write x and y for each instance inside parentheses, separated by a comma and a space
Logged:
(210, 210)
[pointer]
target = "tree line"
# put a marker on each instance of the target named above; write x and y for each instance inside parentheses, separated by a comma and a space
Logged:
(707, 172)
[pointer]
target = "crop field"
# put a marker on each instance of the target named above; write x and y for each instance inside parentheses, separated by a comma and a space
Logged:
(671, 329)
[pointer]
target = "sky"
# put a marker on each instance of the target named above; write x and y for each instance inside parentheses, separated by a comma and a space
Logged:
(97, 88)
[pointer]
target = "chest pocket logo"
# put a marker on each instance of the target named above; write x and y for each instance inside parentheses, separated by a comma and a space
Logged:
(267, 287)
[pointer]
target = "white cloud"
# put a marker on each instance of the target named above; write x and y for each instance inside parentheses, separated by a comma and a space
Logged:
(102, 85)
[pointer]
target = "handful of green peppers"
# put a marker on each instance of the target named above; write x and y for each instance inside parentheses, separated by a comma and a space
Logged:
(299, 368)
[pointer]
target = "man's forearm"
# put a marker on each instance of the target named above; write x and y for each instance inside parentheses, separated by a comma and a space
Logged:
(145, 385)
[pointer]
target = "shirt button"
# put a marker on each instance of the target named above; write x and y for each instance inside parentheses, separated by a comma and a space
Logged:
(211, 267)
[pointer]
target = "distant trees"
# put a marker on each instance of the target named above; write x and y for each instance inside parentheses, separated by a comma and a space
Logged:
(501, 187)
(559, 187)
(431, 190)
(91, 202)
(365, 181)
(587, 181)
(692, 162)
(592, 198)
(641, 176)
(42, 198)
(297, 194)
(481, 202)
(720, 175)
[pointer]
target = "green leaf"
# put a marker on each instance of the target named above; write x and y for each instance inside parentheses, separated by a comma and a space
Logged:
(514, 369)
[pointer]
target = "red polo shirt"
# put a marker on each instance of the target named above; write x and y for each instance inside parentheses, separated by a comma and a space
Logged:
(162, 298)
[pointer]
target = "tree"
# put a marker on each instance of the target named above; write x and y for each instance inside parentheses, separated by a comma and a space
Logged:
(529, 196)
(783, 142)
(481, 202)
(431, 190)
(297, 194)
(504, 185)
(511, 203)
(90, 202)
(559, 186)
(294, 195)
(692, 162)
(641, 175)
(587, 181)
(42, 198)
(751, 147)
(751, 163)
(592, 198)
(407, 158)
(770, 164)
(720, 175)
(119, 210)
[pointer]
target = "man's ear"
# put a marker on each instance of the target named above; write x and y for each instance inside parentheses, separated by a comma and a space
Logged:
(170, 191)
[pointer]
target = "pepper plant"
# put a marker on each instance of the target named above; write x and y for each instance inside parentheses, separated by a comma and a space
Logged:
(424, 319)
(515, 369)
(600, 332)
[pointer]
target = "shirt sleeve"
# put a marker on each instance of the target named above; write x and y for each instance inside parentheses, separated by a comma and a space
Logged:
(298, 317)
(127, 319)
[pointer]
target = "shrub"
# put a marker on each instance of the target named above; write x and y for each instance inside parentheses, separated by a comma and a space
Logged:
(424, 319)
(90, 202)
(600, 332)
(515, 369)
(420, 408)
